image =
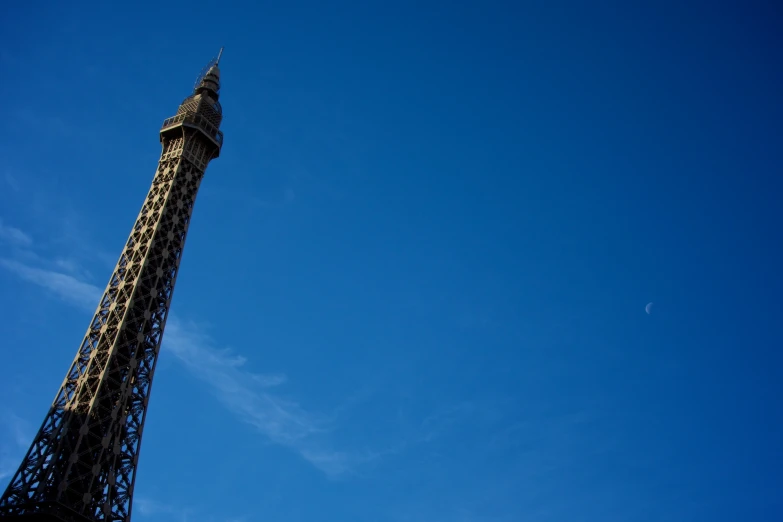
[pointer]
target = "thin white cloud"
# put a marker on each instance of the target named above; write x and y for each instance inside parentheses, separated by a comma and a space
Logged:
(14, 236)
(248, 395)
(270, 380)
(7, 467)
(147, 507)
(11, 181)
(245, 393)
(14, 440)
(64, 286)
(20, 430)
(72, 266)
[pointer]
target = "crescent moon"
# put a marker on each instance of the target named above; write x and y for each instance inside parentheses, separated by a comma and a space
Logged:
(648, 308)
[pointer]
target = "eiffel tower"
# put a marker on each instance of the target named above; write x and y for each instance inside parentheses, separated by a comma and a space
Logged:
(82, 463)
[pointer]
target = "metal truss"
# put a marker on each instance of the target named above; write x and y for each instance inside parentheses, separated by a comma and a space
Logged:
(82, 463)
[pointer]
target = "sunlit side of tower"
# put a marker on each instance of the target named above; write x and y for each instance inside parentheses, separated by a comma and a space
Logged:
(82, 463)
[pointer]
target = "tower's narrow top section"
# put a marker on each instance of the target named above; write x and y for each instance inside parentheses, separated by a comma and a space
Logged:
(209, 80)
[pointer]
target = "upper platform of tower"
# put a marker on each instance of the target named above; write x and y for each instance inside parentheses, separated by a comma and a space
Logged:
(202, 108)
(204, 99)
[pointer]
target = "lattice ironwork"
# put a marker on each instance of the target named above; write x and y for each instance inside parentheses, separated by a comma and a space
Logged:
(82, 463)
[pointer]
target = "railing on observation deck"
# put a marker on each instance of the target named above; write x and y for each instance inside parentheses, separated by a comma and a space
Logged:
(197, 120)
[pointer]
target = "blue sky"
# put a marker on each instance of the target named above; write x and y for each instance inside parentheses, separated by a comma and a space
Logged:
(414, 285)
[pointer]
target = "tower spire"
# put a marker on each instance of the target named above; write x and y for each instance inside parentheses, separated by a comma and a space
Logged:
(209, 79)
(81, 465)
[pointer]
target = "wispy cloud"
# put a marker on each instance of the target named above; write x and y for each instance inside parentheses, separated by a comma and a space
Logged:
(14, 440)
(14, 236)
(73, 267)
(67, 281)
(7, 466)
(66, 287)
(147, 507)
(69, 244)
(246, 393)
(19, 429)
(250, 396)
(275, 379)
(11, 181)
(256, 398)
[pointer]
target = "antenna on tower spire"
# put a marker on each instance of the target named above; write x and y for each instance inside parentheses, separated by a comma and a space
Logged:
(207, 68)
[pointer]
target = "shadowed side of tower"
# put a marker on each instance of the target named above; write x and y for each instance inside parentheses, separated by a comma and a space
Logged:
(82, 463)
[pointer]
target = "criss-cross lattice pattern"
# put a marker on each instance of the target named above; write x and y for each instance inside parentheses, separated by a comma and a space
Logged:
(82, 462)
